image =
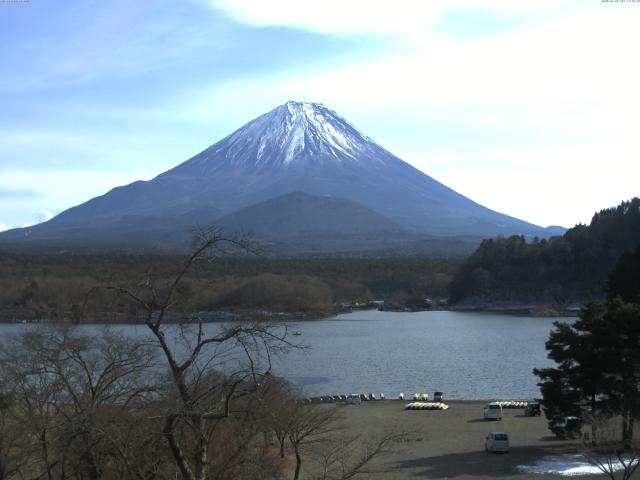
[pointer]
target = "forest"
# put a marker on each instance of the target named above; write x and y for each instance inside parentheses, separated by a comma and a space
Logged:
(68, 286)
(505, 272)
(559, 271)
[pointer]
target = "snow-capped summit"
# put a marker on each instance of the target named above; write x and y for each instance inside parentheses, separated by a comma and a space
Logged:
(296, 147)
(295, 133)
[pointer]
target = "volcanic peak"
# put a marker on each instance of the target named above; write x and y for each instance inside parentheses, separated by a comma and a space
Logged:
(292, 134)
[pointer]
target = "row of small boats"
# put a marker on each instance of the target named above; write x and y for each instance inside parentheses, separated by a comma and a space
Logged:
(325, 399)
(426, 406)
(343, 398)
(365, 397)
(512, 404)
(417, 397)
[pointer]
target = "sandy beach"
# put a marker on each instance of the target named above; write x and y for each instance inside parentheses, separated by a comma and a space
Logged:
(450, 443)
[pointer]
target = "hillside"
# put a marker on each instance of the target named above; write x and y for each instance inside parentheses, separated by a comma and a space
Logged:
(300, 214)
(560, 271)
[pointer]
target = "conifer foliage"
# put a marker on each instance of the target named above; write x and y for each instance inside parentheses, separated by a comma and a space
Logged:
(597, 375)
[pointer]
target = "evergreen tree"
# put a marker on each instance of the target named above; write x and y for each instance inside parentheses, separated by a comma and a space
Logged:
(624, 280)
(576, 387)
(598, 366)
(619, 339)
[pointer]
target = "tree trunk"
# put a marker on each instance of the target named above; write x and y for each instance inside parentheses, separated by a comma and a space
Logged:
(63, 466)
(626, 440)
(178, 455)
(594, 422)
(45, 453)
(201, 447)
(89, 464)
(3, 469)
(296, 475)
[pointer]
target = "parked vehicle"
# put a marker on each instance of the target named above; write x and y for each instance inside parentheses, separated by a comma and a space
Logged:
(497, 442)
(493, 411)
(354, 399)
(532, 409)
(438, 397)
(567, 427)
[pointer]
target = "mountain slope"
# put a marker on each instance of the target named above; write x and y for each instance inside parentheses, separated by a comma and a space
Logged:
(299, 214)
(297, 147)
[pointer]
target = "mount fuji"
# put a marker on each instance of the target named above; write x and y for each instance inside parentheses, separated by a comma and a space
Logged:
(302, 148)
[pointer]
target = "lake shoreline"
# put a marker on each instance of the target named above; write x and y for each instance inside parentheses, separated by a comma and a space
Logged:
(248, 315)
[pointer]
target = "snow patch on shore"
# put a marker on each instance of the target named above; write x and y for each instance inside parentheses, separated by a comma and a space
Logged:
(567, 465)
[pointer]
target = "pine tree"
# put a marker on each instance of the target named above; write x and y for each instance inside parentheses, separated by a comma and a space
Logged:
(598, 367)
(577, 386)
(624, 280)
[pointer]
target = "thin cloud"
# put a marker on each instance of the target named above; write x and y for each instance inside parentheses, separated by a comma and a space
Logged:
(14, 139)
(560, 185)
(45, 216)
(100, 41)
(10, 193)
(408, 19)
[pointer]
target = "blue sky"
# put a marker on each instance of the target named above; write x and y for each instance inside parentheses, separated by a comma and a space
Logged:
(526, 106)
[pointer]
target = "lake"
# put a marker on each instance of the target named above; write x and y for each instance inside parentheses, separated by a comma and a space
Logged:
(468, 355)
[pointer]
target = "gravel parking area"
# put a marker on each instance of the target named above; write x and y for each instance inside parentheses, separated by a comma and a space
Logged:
(450, 443)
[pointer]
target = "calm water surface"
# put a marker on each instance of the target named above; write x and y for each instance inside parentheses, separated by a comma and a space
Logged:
(468, 355)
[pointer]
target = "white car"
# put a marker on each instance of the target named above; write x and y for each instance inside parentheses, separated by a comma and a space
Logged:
(354, 399)
(567, 427)
(497, 442)
(493, 411)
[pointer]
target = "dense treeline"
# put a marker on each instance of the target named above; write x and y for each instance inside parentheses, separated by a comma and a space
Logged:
(559, 271)
(36, 286)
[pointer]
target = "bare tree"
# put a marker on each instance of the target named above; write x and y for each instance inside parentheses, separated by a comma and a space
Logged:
(313, 430)
(202, 397)
(309, 426)
(611, 455)
(35, 395)
(610, 461)
(13, 458)
(278, 405)
(185, 399)
(70, 390)
(346, 458)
